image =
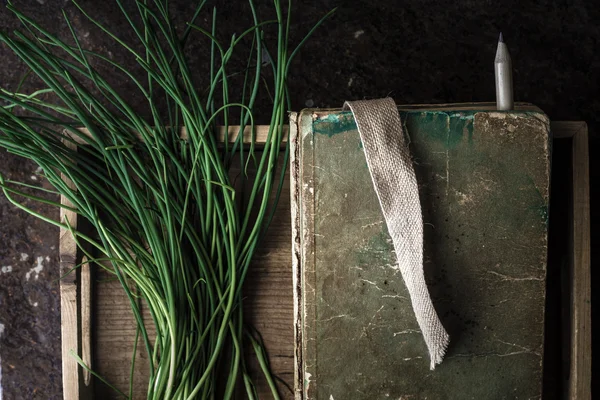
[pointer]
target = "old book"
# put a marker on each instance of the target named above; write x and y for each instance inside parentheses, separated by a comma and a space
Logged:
(484, 186)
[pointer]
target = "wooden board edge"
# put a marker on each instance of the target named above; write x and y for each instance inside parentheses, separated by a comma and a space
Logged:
(566, 129)
(86, 318)
(580, 377)
(69, 299)
(580, 364)
(231, 133)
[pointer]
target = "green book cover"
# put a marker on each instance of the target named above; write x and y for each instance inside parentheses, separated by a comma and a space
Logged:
(484, 185)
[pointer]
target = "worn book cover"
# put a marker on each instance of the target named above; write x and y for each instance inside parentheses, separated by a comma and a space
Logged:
(484, 184)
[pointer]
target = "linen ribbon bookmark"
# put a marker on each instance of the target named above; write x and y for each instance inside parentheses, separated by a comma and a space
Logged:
(393, 175)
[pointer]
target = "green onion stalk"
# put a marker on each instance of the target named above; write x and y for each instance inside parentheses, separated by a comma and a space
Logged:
(164, 210)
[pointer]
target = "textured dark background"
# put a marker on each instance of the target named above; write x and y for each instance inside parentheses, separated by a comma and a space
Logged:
(417, 51)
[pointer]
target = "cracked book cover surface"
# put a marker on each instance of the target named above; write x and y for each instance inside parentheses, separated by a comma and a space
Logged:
(484, 186)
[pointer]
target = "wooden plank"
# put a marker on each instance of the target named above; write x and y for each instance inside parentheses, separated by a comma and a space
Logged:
(581, 335)
(580, 364)
(68, 299)
(114, 339)
(567, 129)
(260, 134)
(86, 318)
(267, 305)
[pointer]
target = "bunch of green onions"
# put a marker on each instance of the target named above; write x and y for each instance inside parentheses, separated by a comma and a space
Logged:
(164, 210)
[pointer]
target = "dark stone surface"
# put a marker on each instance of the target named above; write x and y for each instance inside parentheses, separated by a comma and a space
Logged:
(29, 297)
(417, 51)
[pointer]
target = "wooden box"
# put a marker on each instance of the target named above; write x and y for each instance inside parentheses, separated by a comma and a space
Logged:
(98, 325)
